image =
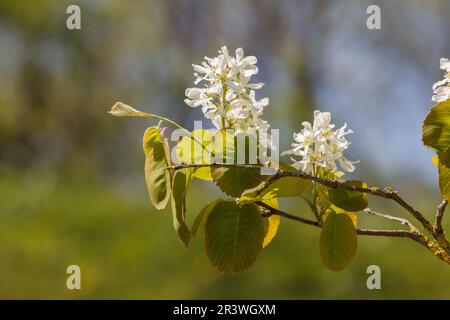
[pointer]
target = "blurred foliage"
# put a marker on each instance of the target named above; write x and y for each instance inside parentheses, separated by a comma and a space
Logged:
(72, 189)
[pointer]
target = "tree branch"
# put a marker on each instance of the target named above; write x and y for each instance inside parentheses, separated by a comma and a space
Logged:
(288, 215)
(440, 248)
(386, 193)
(367, 232)
(414, 234)
(439, 215)
(386, 216)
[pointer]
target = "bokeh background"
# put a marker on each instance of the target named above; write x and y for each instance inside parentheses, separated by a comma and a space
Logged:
(72, 189)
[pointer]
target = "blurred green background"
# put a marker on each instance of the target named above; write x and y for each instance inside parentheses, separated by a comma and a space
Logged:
(72, 189)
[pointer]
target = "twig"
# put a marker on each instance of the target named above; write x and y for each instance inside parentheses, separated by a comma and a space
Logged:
(386, 216)
(288, 215)
(439, 215)
(367, 232)
(384, 193)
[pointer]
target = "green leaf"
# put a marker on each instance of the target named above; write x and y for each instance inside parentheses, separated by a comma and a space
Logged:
(241, 148)
(444, 180)
(349, 200)
(271, 223)
(198, 227)
(224, 147)
(180, 183)
(338, 241)
(120, 109)
(190, 151)
(436, 131)
(352, 215)
(234, 181)
(233, 236)
(435, 160)
(283, 187)
(157, 177)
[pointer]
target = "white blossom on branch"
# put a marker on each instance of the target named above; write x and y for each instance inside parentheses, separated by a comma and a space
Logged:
(441, 89)
(226, 94)
(318, 146)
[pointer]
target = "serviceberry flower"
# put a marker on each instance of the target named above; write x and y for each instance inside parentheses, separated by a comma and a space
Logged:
(318, 146)
(441, 88)
(226, 94)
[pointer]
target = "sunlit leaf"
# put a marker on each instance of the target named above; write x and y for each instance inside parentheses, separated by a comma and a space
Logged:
(234, 236)
(435, 160)
(271, 223)
(444, 181)
(120, 109)
(157, 177)
(436, 131)
(203, 173)
(224, 148)
(189, 151)
(444, 177)
(283, 187)
(338, 241)
(349, 200)
(351, 215)
(179, 185)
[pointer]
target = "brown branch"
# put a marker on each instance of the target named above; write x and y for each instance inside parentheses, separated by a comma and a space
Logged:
(414, 234)
(387, 233)
(367, 232)
(439, 215)
(386, 193)
(288, 215)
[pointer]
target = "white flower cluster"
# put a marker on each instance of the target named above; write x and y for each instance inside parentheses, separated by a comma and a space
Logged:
(318, 146)
(226, 96)
(441, 88)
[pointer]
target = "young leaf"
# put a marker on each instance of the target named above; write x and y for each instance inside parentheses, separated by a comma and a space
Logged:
(120, 109)
(444, 180)
(436, 131)
(349, 200)
(333, 208)
(203, 173)
(157, 177)
(234, 181)
(198, 227)
(224, 147)
(190, 152)
(179, 185)
(271, 223)
(233, 236)
(338, 241)
(283, 187)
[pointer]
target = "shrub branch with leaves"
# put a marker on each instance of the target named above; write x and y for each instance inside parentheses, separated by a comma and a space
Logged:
(237, 228)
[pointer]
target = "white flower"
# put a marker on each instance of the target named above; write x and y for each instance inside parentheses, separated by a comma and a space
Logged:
(318, 146)
(441, 88)
(226, 95)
